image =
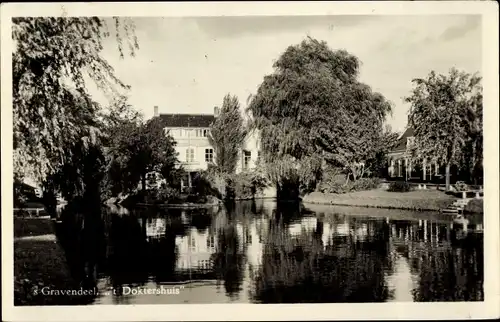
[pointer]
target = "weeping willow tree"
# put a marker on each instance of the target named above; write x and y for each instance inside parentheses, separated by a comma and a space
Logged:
(53, 111)
(313, 111)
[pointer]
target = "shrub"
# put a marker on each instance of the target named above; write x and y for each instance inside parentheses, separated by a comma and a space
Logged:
(365, 184)
(244, 185)
(339, 186)
(399, 186)
(461, 186)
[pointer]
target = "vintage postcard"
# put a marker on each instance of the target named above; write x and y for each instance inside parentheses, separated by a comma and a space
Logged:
(195, 161)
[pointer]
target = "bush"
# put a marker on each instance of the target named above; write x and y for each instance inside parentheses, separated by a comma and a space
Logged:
(461, 186)
(365, 184)
(153, 196)
(399, 186)
(244, 185)
(339, 186)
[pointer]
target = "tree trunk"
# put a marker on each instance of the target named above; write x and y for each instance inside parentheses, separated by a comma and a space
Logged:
(473, 166)
(143, 182)
(448, 176)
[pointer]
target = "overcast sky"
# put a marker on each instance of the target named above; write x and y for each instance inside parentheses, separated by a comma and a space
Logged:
(187, 65)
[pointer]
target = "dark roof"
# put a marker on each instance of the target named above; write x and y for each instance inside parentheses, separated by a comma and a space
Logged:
(187, 120)
(402, 140)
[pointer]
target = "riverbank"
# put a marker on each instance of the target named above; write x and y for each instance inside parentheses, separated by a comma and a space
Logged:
(40, 264)
(418, 200)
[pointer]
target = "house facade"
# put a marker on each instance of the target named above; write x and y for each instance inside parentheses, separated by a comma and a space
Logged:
(195, 153)
(401, 166)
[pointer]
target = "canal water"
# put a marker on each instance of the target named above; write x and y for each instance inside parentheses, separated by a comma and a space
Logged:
(258, 252)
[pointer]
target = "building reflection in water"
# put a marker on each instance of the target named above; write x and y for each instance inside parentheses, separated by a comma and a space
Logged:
(258, 252)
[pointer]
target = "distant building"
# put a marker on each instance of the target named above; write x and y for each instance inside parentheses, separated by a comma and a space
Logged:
(191, 132)
(401, 167)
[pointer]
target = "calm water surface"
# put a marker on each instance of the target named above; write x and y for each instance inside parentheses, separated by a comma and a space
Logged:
(259, 253)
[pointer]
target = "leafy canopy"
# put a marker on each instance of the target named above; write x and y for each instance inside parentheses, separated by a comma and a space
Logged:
(52, 59)
(227, 134)
(446, 115)
(312, 109)
(138, 149)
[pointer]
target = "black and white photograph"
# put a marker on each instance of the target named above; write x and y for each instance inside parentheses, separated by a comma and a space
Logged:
(164, 157)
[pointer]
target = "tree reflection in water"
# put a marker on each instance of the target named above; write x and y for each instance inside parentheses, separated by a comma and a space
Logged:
(81, 234)
(279, 253)
(303, 269)
(228, 259)
(451, 274)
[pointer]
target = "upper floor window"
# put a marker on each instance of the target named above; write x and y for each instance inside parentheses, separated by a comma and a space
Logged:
(189, 155)
(206, 132)
(209, 155)
(192, 243)
(247, 156)
(211, 243)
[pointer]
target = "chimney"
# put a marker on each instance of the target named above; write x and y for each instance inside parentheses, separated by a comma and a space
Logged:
(216, 111)
(156, 111)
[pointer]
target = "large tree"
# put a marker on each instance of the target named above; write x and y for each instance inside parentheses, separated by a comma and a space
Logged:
(446, 115)
(227, 134)
(312, 110)
(139, 149)
(52, 59)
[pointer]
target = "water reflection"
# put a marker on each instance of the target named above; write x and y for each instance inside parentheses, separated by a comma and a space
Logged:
(261, 252)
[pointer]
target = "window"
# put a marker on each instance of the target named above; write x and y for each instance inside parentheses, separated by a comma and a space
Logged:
(205, 132)
(247, 156)
(192, 244)
(209, 155)
(189, 155)
(211, 243)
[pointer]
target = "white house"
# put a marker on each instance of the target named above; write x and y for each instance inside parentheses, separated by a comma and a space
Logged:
(191, 132)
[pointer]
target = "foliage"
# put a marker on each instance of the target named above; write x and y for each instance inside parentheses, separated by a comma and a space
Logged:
(461, 186)
(313, 108)
(138, 149)
(475, 206)
(227, 135)
(378, 164)
(202, 185)
(245, 185)
(81, 169)
(399, 186)
(217, 180)
(51, 60)
(446, 114)
(362, 184)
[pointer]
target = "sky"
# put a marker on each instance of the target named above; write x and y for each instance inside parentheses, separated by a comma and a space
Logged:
(187, 65)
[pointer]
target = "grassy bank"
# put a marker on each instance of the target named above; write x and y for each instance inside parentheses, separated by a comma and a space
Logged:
(40, 262)
(329, 211)
(419, 200)
(32, 227)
